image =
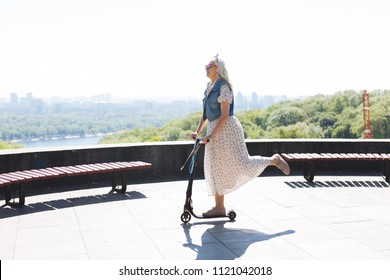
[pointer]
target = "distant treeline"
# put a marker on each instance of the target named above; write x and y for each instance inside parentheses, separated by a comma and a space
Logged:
(323, 116)
(88, 120)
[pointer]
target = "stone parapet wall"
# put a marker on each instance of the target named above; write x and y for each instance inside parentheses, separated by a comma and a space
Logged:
(168, 157)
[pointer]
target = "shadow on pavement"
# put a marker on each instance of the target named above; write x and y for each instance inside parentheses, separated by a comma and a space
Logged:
(233, 241)
(337, 184)
(6, 211)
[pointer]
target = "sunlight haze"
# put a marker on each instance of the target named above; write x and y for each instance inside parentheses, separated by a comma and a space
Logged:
(158, 49)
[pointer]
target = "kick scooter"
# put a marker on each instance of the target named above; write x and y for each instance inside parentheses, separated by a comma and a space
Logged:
(188, 209)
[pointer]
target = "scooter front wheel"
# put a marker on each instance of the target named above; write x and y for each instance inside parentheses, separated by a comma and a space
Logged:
(185, 217)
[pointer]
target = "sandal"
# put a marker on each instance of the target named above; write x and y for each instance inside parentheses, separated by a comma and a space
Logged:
(215, 212)
(282, 165)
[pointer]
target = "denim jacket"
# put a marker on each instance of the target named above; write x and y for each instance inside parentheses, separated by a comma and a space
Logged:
(211, 106)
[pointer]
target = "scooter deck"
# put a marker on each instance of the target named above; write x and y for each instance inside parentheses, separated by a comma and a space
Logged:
(186, 216)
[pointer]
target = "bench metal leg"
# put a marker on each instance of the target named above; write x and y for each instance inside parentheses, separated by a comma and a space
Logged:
(124, 182)
(386, 171)
(308, 172)
(8, 197)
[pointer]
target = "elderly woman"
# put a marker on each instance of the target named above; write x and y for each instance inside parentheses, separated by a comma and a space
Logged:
(227, 164)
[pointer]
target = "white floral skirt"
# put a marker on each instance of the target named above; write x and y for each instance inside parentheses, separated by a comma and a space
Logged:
(227, 164)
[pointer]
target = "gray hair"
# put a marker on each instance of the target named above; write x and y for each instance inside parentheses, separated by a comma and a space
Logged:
(221, 70)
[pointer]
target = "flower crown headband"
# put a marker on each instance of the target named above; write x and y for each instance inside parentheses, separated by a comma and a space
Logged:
(216, 59)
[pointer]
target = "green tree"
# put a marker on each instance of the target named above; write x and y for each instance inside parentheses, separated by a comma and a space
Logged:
(286, 116)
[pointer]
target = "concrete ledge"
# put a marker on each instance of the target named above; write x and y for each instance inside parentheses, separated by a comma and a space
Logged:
(168, 157)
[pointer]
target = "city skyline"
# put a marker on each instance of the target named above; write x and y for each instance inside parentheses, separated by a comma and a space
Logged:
(158, 49)
(242, 101)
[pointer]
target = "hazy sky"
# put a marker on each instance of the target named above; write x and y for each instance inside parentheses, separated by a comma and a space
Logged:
(158, 48)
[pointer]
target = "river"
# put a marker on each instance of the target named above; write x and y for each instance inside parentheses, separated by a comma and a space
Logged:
(91, 140)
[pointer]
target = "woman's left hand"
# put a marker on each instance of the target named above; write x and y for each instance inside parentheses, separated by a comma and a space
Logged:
(206, 139)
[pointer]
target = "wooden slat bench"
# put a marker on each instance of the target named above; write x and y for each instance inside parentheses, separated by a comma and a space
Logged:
(309, 160)
(19, 178)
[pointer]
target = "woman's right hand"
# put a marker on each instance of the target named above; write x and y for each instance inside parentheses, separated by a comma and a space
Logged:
(193, 135)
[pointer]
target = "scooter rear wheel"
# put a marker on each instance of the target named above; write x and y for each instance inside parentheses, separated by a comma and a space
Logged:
(232, 215)
(185, 217)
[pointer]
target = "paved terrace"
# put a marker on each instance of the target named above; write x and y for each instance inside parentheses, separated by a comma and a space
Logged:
(342, 216)
(278, 218)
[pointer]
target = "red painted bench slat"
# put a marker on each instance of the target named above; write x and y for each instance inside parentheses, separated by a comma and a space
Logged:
(334, 156)
(53, 171)
(4, 181)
